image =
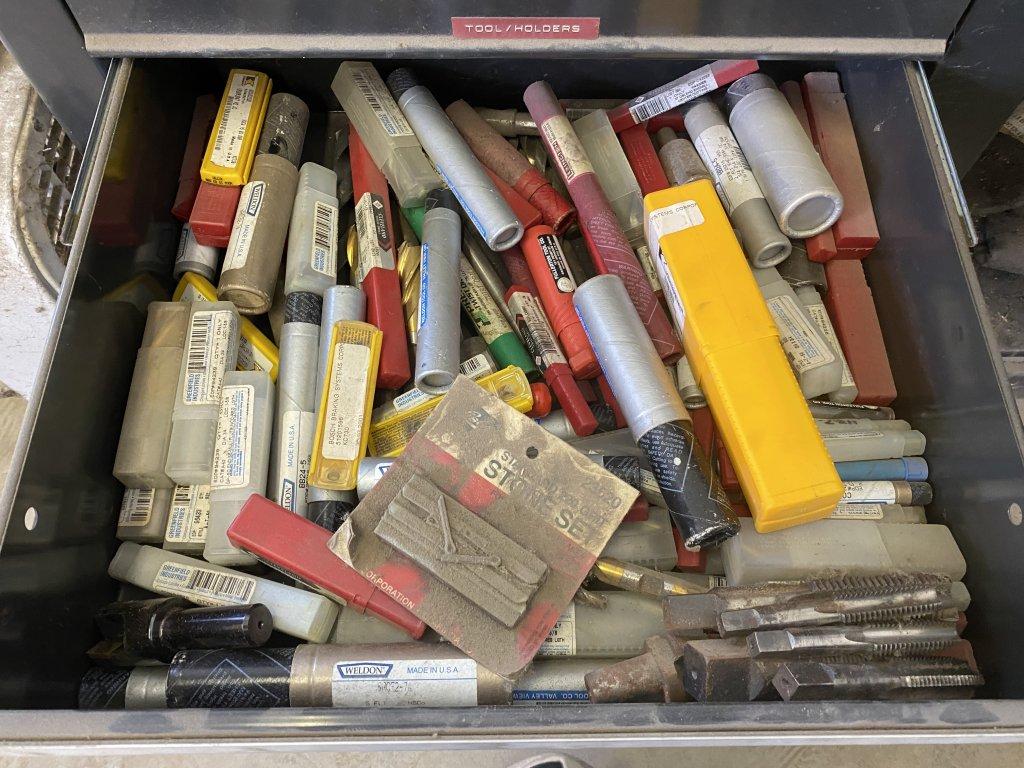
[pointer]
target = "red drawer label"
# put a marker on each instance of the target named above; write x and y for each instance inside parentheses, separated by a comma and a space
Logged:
(527, 27)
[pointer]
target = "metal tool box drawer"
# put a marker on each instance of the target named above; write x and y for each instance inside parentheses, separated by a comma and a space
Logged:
(948, 373)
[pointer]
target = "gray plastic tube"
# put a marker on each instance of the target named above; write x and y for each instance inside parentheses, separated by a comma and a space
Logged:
(211, 350)
(341, 302)
(655, 413)
(241, 459)
(478, 195)
(192, 257)
(798, 188)
(438, 336)
(146, 427)
(294, 416)
(284, 128)
(762, 240)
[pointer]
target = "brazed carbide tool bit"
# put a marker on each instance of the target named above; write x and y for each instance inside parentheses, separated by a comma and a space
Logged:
(902, 679)
(871, 640)
(844, 607)
(652, 676)
(696, 615)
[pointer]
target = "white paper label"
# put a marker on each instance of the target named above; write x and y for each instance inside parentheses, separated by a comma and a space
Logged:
(643, 255)
(565, 147)
(323, 256)
(558, 265)
(233, 122)
(821, 319)
(478, 304)
(724, 159)
(868, 491)
(346, 406)
(475, 367)
(849, 435)
(857, 512)
(404, 683)
(661, 222)
(209, 339)
(297, 428)
(535, 331)
(680, 91)
(377, 96)
(136, 507)
(248, 213)
(1014, 125)
(373, 232)
(804, 347)
(189, 516)
(202, 585)
(561, 640)
(232, 452)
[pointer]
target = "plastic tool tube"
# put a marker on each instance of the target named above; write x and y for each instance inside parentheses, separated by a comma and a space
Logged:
(146, 427)
(691, 85)
(489, 321)
(508, 164)
(483, 203)
(437, 340)
(643, 159)
(295, 414)
(211, 350)
(253, 258)
(540, 339)
(241, 458)
(608, 246)
(284, 128)
(796, 185)
(194, 257)
(655, 413)
(376, 273)
(312, 261)
(763, 242)
(908, 468)
(341, 302)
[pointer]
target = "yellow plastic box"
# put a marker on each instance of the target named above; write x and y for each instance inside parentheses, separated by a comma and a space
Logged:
(232, 145)
(255, 351)
(733, 347)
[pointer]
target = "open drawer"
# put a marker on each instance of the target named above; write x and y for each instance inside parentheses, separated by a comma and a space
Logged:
(62, 500)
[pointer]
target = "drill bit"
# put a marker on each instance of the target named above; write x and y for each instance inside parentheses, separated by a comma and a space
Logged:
(900, 679)
(844, 607)
(636, 578)
(872, 640)
(409, 275)
(697, 615)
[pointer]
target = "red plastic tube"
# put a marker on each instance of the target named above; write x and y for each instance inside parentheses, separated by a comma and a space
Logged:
(856, 231)
(518, 269)
(605, 240)
(529, 313)
(499, 156)
(686, 88)
(528, 215)
(672, 119)
(198, 134)
(555, 286)
(298, 548)
(852, 309)
(381, 283)
(643, 159)
(213, 213)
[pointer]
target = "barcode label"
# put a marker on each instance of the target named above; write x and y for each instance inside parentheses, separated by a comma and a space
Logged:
(238, 102)
(669, 96)
(534, 328)
(803, 345)
(202, 585)
(374, 236)
(476, 366)
(244, 226)
(210, 337)
(136, 507)
(373, 90)
(189, 516)
(231, 451)
(324, 255)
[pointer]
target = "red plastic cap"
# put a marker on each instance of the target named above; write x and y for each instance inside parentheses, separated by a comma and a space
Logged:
(213, 214)
(557, 212)
(541, 400)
